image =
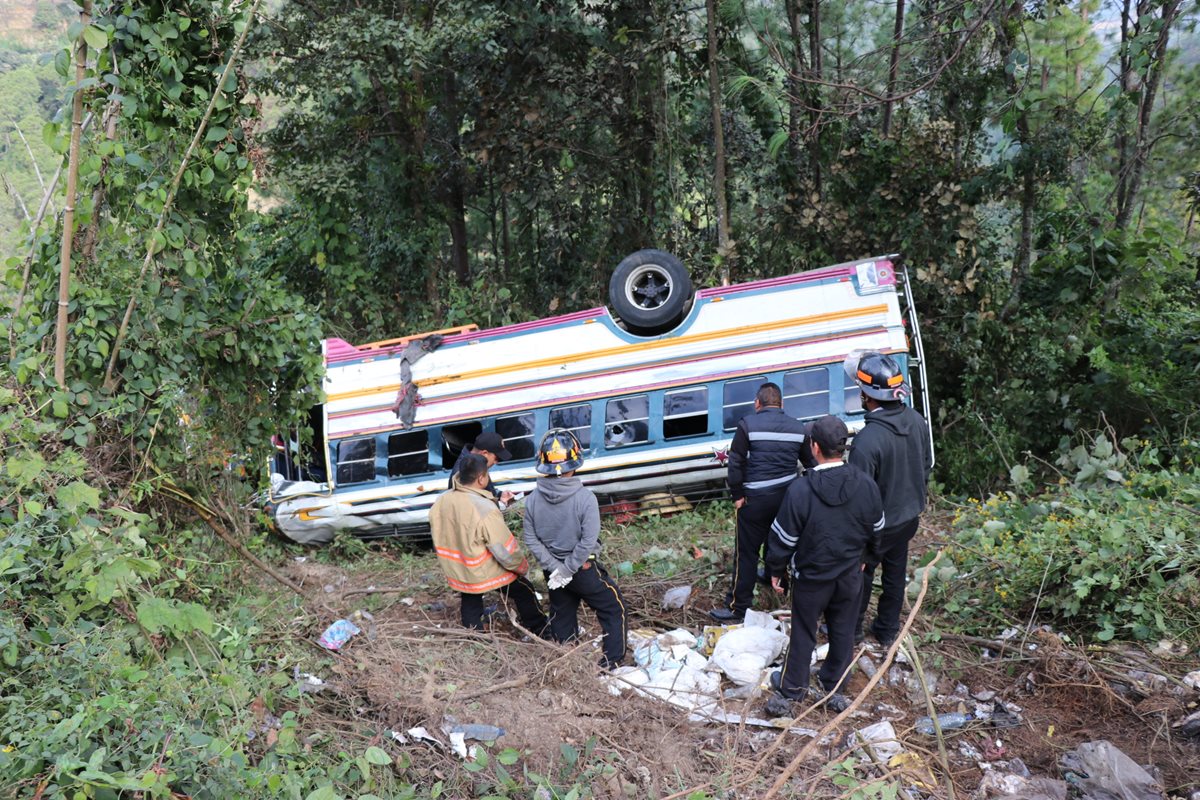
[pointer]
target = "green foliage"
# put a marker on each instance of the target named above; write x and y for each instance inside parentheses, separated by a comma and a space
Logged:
(1111, 553)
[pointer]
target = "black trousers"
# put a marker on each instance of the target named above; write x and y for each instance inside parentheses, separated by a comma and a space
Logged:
(893, 549)
(521, 593)
(754, 520)
(837, 599)
(592, 585)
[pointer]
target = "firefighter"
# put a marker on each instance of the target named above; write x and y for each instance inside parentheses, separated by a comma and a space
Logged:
(828, 521)
(763, 460)
(562, 531)
(476, 551)
(893, 448)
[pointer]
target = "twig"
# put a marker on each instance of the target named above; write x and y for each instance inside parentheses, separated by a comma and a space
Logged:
(517, 683)
(210, 517)
(384, 590)
(915, 658)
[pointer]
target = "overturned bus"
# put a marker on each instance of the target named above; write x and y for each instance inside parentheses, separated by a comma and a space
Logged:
(653, 389)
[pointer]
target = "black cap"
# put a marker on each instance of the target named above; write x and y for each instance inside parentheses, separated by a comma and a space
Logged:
(830, 434)
(492, 443)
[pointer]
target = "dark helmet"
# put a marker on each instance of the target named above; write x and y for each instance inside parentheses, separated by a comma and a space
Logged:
(878, 375)
(559, 452)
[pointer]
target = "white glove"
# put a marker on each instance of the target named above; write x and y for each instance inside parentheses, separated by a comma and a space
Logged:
(559, 578)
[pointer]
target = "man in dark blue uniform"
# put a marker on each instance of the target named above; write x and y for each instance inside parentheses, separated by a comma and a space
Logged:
(828, 521)
(893, 448)
(763, 460)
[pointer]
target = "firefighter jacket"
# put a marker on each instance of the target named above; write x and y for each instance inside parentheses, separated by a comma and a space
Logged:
(764, 453)
(475, 549)
(829, 519)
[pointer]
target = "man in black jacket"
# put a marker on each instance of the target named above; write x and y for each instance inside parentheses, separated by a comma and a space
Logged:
(893, 448)
(489, 445)
(828, 521)
(763, 460)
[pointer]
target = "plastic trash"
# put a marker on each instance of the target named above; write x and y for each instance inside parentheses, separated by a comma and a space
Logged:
(878, 742)
(676, 597)
(743, 653)
(307, 682)
(1100, 769)
(480, 733)
(337, 634)
(946, 722)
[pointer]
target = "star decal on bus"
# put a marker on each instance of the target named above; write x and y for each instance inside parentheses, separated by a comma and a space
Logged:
(721, 455)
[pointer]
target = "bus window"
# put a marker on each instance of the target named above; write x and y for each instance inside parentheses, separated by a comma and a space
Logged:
(576, 419)
(739, 400)
(627, 421)
(455, 438)
(853, 395)
(356, 461)
(408, 453)
(806, 393)
(685, 412)
(517, 433)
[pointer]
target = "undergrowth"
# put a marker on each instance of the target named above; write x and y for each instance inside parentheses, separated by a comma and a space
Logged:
(1109, 552)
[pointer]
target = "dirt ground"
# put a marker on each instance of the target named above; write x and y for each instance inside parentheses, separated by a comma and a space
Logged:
(415, 666)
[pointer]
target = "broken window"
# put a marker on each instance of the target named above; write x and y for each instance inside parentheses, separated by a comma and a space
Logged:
(408, 453)
(517, 433)
(739, 400)
(356, 461)
(455, 438)
(685, 412)
(627, 421)
(576, 419)
(806, 393)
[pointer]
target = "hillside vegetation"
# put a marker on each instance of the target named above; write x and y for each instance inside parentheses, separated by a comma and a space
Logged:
(416, 166)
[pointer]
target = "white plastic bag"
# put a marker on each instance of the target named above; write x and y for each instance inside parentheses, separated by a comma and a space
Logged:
(743, 653)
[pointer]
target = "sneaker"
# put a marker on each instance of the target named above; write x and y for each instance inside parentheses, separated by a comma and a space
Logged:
(727, 615)
(776, 681)
(837, 703)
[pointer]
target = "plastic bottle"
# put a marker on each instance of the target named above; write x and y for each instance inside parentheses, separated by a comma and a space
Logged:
(945, 721)
(480, 733)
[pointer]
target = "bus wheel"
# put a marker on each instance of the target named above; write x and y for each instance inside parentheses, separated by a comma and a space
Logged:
(649, 290)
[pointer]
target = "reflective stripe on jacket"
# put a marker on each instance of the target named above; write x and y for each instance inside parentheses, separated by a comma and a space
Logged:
(475, 549)
(765, 452)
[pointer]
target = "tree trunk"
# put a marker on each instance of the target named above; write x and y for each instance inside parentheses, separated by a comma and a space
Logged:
(64, 273)
(814, 52)
(1009, 22)
(893, 67)
(1142, 144)
(456, 198)
(1126, 78)
(796, 90)
(724, 251)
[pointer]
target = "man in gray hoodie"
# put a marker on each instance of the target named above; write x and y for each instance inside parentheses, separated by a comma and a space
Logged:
(562, 531)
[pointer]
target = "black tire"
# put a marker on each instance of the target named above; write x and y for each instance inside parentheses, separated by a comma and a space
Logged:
(649, 291)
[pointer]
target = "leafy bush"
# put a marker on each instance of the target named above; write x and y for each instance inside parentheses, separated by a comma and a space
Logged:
(1112, 553)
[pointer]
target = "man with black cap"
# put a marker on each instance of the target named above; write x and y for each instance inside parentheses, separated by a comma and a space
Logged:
(489, 445)
(893, 448)
(828, 521)
(763, 460)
